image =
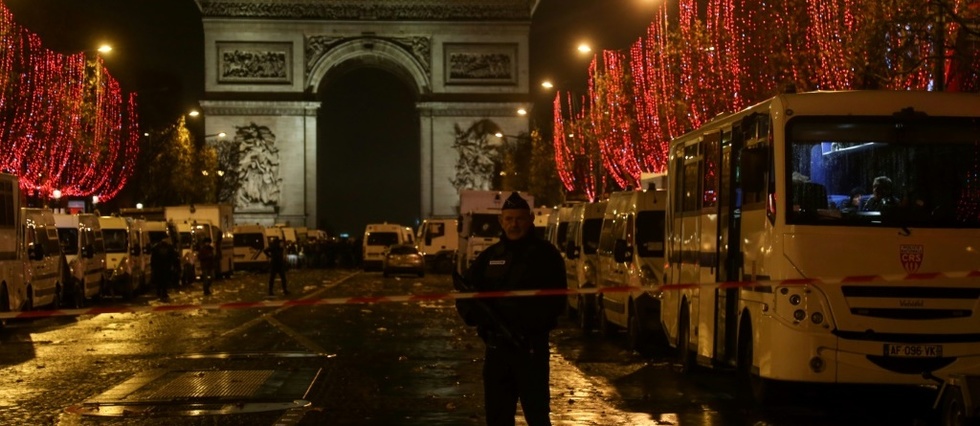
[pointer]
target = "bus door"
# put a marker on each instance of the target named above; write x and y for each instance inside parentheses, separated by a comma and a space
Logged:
(726, 308)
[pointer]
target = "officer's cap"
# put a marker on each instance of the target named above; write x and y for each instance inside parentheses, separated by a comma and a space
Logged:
(515, 202)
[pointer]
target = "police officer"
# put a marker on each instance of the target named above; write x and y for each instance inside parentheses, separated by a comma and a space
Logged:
(515, 329)
(164, 262)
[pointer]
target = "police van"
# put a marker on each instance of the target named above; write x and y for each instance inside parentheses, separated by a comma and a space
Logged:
(250, 245)
(84, 247)
(30, 258)
(377, 238)
(581, 258)
(631, 254)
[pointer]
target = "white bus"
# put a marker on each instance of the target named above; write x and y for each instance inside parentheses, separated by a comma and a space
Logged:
(759, 197)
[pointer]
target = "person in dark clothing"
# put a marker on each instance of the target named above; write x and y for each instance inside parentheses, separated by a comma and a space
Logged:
(205, 256)
(164, 262)
(277, 264)
(882, 195)
(516, 329)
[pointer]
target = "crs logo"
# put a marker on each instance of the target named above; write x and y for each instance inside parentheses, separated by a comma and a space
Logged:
(911, 256)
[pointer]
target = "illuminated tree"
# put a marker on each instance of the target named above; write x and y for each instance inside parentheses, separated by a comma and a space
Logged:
(65, 123)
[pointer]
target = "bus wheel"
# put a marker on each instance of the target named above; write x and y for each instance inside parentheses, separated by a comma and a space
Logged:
(760, 390)
(586, 312)
(954, 409)
(685, 356)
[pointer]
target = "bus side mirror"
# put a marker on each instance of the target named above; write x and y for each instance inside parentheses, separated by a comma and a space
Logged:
(35, 251)
(622, 252)
(428, 240)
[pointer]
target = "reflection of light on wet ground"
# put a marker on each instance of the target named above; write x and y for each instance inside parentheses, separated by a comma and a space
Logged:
(581, 400)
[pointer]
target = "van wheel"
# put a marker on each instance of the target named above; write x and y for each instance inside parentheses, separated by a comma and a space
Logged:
(29, 302)
(57, 302)
(606, 328)
(77, 295)
(4, 299)
(129, 289)
(586, 313)
(637, 338)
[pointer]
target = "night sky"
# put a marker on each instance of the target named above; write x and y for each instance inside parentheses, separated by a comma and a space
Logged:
(158, 52)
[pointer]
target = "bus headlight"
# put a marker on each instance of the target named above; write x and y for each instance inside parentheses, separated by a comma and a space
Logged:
(795, 303)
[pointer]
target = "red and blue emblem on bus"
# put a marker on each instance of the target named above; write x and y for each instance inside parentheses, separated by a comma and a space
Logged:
(911, 256)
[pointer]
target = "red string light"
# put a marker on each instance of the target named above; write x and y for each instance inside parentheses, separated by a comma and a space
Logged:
(733, 53)
(65, 123)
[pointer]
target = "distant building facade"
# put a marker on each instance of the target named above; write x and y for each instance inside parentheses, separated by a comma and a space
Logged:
(265, 60)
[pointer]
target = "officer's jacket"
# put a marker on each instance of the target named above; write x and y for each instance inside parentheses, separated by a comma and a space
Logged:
(527, 264)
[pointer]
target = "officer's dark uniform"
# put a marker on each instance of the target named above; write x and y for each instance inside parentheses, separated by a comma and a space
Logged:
(516, 368)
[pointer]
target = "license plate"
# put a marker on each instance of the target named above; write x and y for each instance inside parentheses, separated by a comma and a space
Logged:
(914, 351)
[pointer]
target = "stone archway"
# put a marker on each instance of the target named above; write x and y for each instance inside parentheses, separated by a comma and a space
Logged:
(465, 60)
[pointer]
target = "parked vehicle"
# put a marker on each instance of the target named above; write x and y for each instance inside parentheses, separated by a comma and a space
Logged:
(377, 238)
(631, 254)
(581, 259)
(195, 222)
(84, 248)
(250, 245)
(557, 228)
(152, 232)
(31, 262)
(479, 226)
(123, 255)
(438, 240)
(758, 196)
(403, 258)
(541, 216)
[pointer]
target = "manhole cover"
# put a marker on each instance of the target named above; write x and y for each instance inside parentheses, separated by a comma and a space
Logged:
(203, 392)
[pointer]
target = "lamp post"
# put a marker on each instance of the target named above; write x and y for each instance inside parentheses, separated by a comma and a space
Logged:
(56, 195)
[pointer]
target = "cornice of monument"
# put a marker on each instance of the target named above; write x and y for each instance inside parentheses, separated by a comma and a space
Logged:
(288, 108)
(371, 10)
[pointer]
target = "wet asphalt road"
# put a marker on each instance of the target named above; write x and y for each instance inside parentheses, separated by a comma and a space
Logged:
(379, 364)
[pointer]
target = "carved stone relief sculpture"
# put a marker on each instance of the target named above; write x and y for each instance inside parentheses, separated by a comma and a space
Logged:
(258, 169)
(418, 47)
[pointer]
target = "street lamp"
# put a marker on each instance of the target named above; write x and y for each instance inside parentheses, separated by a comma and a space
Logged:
(56, 194)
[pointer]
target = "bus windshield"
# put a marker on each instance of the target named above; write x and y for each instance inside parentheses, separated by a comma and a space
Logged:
(883, 171)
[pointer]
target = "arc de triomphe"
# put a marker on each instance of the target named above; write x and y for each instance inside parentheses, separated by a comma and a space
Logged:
(466, 60)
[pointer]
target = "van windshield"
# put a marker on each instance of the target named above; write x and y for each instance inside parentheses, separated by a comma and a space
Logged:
(382, 238)
(591, 228)
(254, 240)
(115, 240)
(485, 225)
(69, 240)
(157, 236)
(650, 233)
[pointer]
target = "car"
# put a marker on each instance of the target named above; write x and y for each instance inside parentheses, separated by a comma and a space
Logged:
(403, 258)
